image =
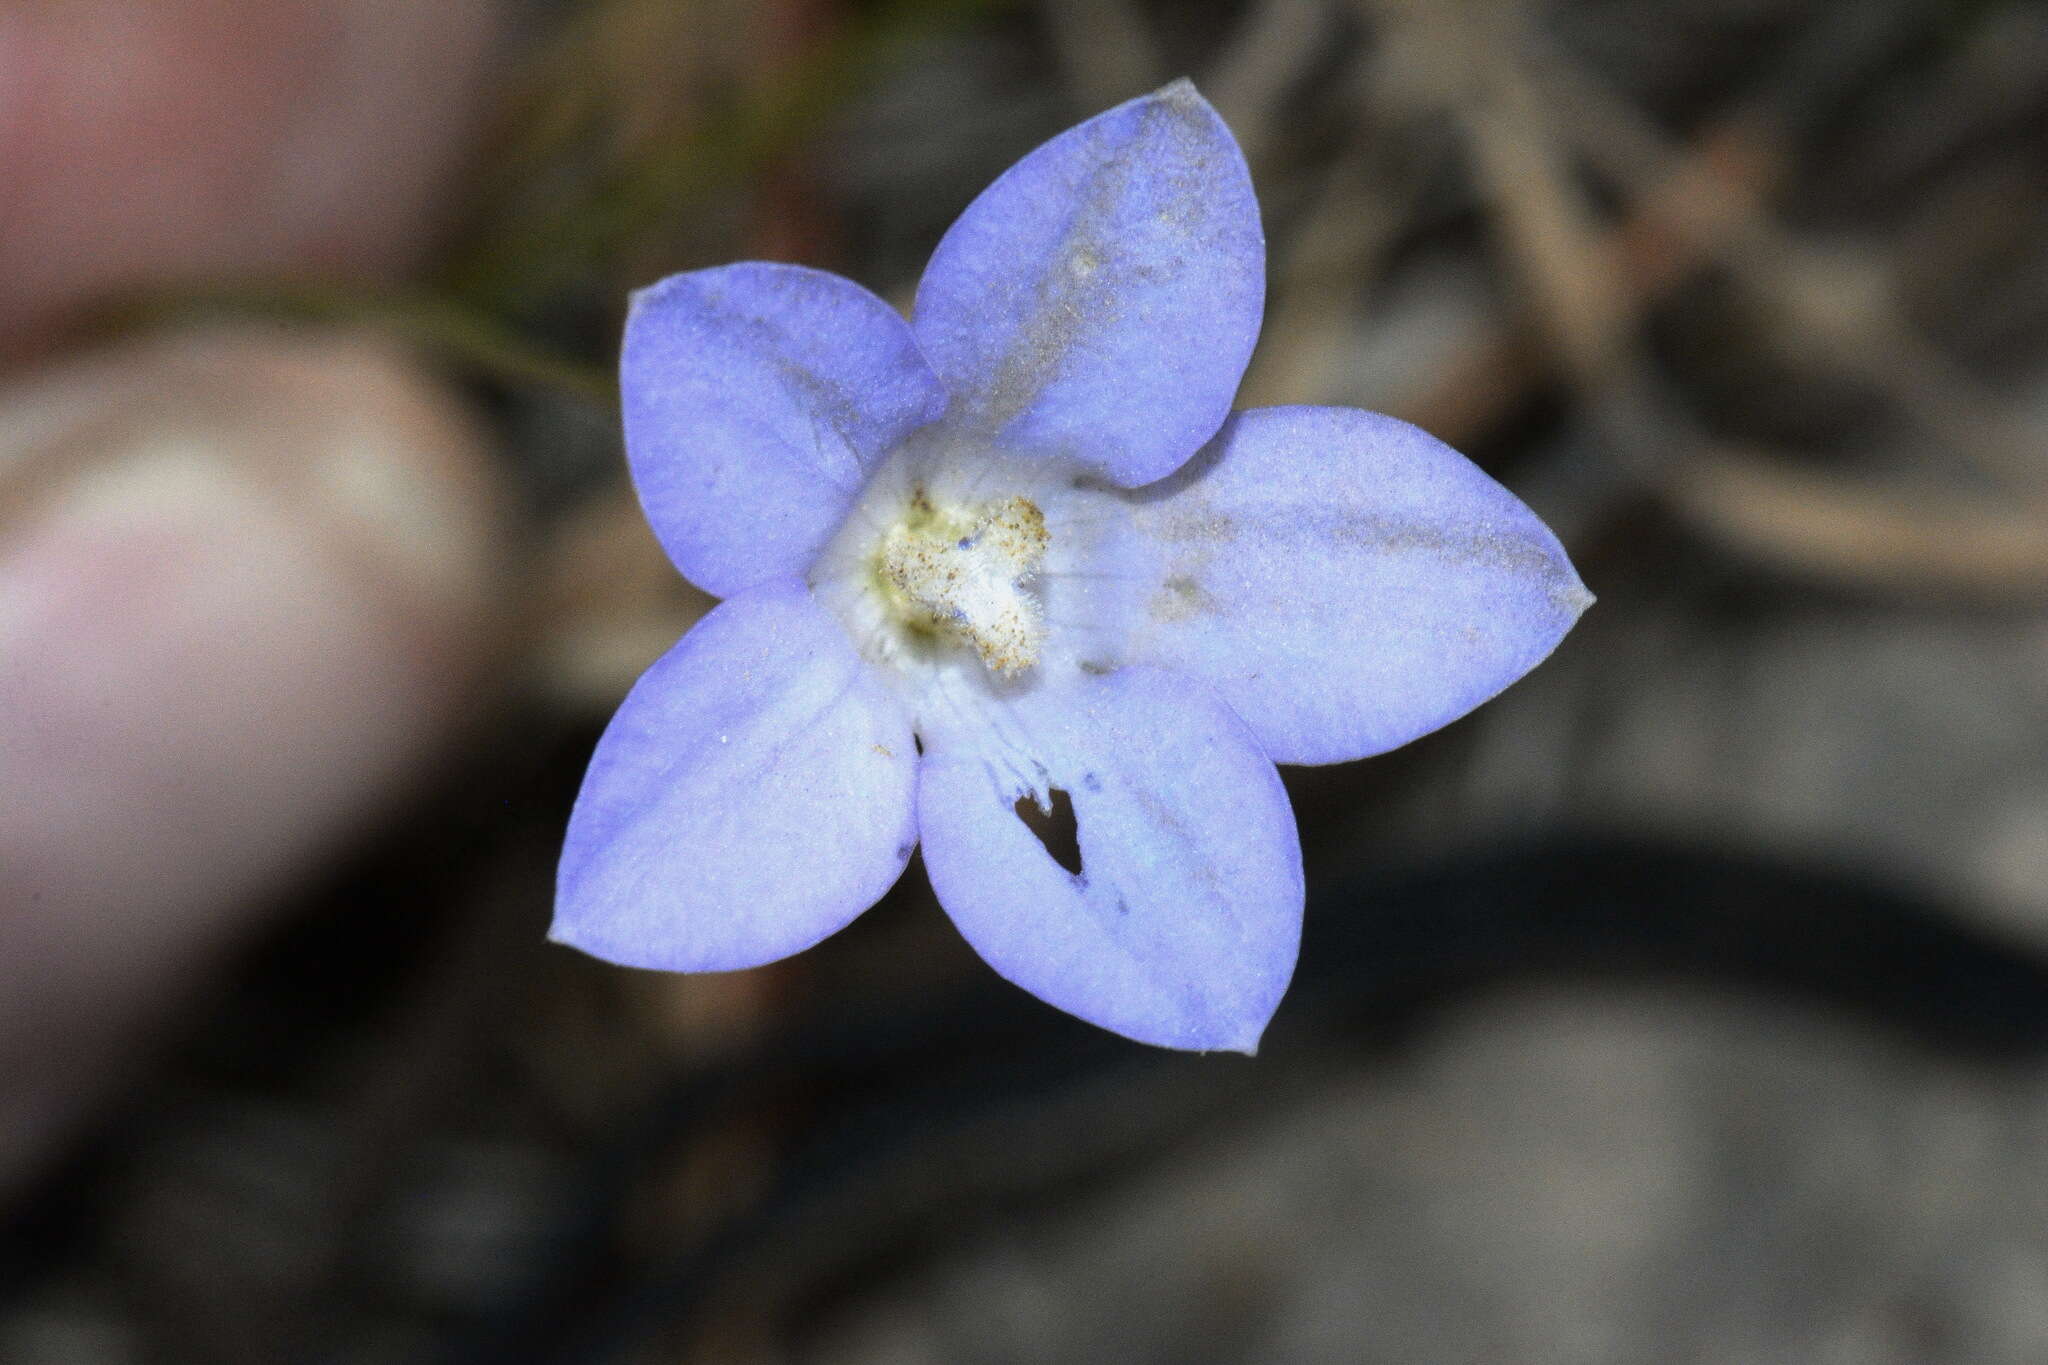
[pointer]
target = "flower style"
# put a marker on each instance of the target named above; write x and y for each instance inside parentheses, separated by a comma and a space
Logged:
(1018, 547)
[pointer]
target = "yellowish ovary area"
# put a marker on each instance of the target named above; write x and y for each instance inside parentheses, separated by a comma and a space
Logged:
(963, 574)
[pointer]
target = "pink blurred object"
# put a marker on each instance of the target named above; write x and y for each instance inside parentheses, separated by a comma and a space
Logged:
(145, 141)
(248, 589)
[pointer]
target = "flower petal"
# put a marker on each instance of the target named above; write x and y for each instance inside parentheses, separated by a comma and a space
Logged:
(1100, 299)
(1182, 924)
(757, 398)
(1346, 581)
(753, 794)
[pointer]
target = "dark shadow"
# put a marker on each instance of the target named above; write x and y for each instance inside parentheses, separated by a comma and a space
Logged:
(1057, 830)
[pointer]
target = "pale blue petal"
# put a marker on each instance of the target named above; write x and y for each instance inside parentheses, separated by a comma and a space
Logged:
(1182, 926)
(753, 794)
(1346, 581)
(1099, 300)
(756, 399)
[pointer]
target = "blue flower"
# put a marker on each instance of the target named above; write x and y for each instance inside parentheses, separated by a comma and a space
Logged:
(1020, 546)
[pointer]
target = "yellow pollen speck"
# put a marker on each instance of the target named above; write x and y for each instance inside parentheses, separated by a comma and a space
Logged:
(962, 573)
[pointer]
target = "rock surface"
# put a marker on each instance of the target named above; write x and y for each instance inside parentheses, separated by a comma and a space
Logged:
(1558, 1176)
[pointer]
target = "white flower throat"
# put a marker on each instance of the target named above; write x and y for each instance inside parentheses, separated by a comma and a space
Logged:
(959, 565)
(964, 572)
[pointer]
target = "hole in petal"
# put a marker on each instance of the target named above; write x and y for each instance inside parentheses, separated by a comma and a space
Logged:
(1059, 831)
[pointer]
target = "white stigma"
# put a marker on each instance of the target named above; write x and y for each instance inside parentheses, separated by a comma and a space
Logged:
(962, 573)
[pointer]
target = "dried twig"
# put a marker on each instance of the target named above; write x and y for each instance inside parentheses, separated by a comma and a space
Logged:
(1853, 322)
(1862, 534)
(1105, 49)
(1266, 55)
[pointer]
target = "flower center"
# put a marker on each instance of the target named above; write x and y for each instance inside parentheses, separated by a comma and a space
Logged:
(962, 573)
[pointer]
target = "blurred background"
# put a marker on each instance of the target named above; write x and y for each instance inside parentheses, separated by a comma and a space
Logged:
(1688, 1003)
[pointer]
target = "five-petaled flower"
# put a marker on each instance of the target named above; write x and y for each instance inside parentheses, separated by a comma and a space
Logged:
(1020, 546)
